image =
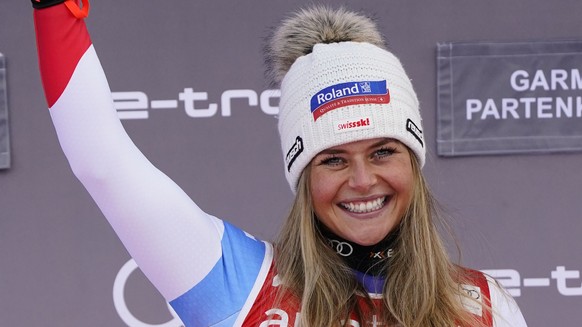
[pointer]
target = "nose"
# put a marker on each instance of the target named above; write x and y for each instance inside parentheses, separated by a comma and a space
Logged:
(362, 177)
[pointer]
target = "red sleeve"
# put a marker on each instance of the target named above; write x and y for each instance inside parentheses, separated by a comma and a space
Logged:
(61, 39)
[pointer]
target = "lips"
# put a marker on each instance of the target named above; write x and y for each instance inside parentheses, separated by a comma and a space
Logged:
(364, 206)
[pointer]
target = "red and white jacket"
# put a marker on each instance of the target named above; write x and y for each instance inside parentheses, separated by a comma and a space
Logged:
(212, 273)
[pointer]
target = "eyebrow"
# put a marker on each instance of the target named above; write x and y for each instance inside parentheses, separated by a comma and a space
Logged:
(383, 141)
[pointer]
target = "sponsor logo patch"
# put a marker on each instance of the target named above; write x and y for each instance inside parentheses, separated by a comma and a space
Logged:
(347, 94)
(348, 125)
(294, 152)
(475, 304)
(415, 131)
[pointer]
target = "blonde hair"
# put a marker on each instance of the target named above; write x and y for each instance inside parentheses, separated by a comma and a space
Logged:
(422, 287)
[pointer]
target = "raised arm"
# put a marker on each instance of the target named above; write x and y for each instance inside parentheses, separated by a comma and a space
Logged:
(209, 270)
(175, 243)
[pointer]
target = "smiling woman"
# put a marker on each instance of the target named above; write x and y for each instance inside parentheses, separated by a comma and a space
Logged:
(360, 190)
(359, 247)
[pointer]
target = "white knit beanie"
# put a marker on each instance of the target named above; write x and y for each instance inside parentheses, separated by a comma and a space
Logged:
(339, 92)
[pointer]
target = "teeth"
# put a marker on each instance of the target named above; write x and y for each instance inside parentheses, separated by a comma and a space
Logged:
(364, 207)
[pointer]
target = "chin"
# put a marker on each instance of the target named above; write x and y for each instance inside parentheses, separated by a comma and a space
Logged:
(366, 240)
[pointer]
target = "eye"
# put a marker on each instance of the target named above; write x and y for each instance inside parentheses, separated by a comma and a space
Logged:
(331, 160)
(384, 152)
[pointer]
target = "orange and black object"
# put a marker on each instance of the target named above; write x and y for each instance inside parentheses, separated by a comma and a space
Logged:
(39, 4)
(73, 6)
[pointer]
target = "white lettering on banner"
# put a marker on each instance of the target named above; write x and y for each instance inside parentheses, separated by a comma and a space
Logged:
(512, 281)
(136, 105)
(121, 306)
(524, 108)
(558, 80)
(189, 97)
(561, 275)
(131, 105)
(532, 107)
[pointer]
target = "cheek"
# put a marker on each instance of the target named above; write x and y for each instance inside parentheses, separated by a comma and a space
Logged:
(401, 181)
(319, 192)
(406, 189)
(323, 191)
(404, 183)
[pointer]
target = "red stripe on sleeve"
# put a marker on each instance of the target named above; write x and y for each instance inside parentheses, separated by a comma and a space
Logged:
(487, 314)
(61, 41)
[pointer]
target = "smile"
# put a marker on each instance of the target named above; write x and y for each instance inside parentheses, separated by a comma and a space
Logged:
(364, 207)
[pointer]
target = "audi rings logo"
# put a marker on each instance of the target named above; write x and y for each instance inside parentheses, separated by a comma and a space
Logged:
(121, 306)
(342, 248)
(472, 293)
(475, 303)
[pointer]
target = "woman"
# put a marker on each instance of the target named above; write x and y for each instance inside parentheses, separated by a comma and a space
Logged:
(359, 246)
